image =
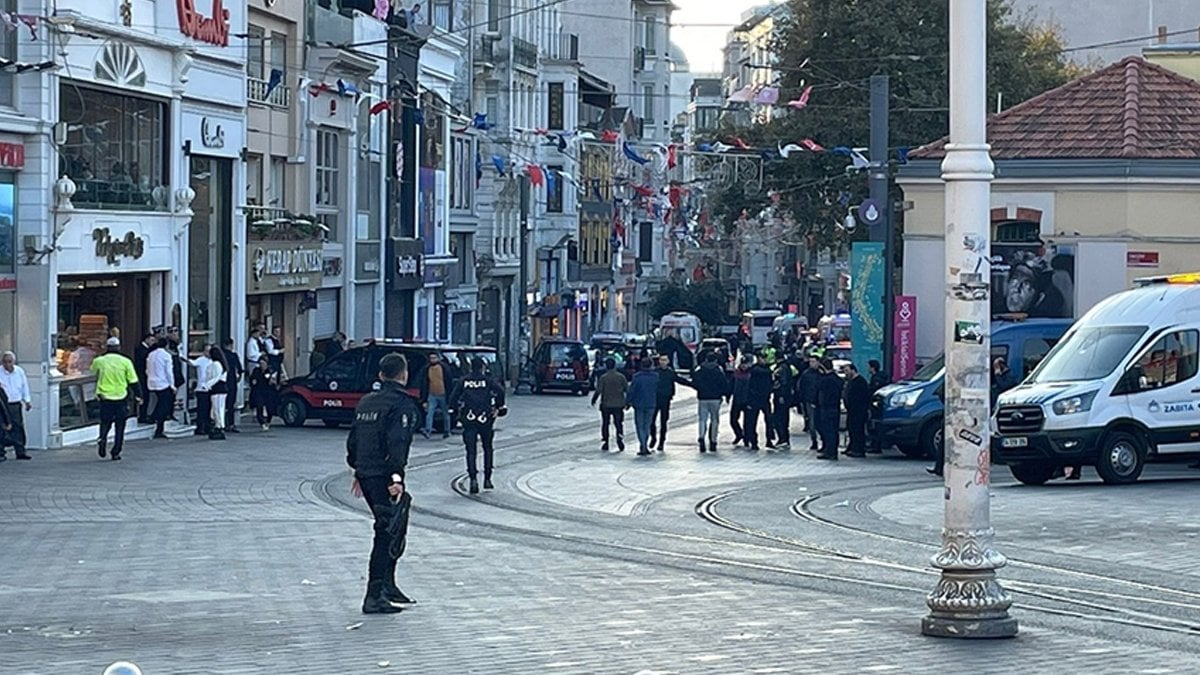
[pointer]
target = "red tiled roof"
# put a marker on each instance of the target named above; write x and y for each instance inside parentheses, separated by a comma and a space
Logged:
(1132, 109)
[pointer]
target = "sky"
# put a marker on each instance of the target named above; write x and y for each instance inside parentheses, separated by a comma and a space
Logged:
(702, 44)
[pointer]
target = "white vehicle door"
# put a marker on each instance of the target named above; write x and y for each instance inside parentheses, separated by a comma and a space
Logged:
(1162, 391)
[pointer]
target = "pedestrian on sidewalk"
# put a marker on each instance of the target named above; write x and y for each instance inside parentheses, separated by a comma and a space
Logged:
(829, 400)
(255, 348)
(479, 400)
(15, 386)
(759, 403)
(262, 395)
(877, 380)
(377, 451)
(140, 353)
(274, 352)
(203, 391)
(642, 397)
(610, 392)
(116, 383)
(782, 386)
(809, 381)
(711, 385)
(160, 378)
(662, 407)
(233, 382)
(217, 382)
(434, 388)
(739, 386)
(857, 399)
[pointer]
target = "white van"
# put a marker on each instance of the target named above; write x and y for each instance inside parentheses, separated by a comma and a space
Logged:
(684, 326)
(1121, 388)
(758, 324)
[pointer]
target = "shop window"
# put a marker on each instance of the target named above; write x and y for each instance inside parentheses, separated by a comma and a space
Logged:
(8, 228)
(115, 149)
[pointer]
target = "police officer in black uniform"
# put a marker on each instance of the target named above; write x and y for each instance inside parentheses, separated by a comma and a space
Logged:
(479, 400)
(377, 451)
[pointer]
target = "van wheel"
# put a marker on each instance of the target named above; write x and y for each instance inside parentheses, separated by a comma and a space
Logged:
(1122, 458)
(933, 442)
(292, 411)
(1032, 473)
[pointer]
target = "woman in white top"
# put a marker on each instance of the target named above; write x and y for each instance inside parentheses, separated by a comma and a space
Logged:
(214, 377)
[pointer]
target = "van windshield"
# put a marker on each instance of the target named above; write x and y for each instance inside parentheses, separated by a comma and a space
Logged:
(1088, 353)
(930, 370)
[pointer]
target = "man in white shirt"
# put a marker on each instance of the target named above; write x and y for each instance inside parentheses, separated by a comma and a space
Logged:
(254, 349)
(274, 343)
(16, 389)
(203, 395)
(160, 379)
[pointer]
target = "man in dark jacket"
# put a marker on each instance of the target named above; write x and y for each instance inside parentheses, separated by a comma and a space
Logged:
(782, 385)
(809, 380)
(662, 409)
(377, 451)
(829, 398)
(610, 391)
(739, 387)
(858, 406)
(711, 385)
(233, 379)
(479, 400)
(878, 380)
(642, 397)
(759, 402)
(140, 354)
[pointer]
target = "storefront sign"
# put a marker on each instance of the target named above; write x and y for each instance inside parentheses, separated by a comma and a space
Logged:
(1141, 259)
(904, 329)
(286, 269)
(407, 270)
(332, 267)
(212, 135)
(129, 246)
(211, 29)
(12, 156)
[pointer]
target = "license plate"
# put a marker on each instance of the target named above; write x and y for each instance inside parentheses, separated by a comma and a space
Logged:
(566, 376)
(1017, 442)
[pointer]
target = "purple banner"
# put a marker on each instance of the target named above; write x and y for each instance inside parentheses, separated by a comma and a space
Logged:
(904, 336)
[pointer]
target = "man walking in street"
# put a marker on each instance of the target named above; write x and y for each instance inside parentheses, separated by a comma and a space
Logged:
(759, 403)
(642, 397)
(828, 409)
(377, 451)
(479, 400)
(610, 391)
(662, 409)
(140, 353)
(16, 389)
(160, 379)
(858, 406)
(809, 381)
(233, 383)
(711, 385)
(739, 386)
(434, 389)
(115, 382)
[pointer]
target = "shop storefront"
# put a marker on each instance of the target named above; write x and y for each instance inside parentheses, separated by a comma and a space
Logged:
(405, 278)
(282, 285)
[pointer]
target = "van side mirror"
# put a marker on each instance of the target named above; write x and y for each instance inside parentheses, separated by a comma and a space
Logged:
(1130, 382)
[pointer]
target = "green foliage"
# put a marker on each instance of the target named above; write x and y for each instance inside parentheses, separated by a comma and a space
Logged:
(835, 46)
(705, 299)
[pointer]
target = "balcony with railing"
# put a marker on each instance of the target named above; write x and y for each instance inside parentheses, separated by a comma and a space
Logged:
(524, 53)
(257, 91)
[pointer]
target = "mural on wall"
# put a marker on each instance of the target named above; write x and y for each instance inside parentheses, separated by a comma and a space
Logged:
(1033, 278)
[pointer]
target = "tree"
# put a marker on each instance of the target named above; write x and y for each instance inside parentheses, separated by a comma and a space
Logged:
(835, 46)
(705, 299)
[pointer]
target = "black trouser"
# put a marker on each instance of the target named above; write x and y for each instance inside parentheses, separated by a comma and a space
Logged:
(810, 422)
(262, 414)
(856, 426)
(662, 414)
(381, 568)
(112, 416)
(231, 407)
(164, 406)
(617, 415)
(736, 411)
(203, 412)
(782, 422)
(484, 434)
(143, 413)
(15, 436)
(751, 429)
(827, 427)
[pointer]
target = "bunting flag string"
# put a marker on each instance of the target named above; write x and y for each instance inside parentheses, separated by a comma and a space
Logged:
(274, 81)
(380, 107)
(633, 155)
(802, 102)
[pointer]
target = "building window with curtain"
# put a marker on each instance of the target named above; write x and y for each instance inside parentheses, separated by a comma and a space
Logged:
(462, 173)
(649, 29)
(328, 195)
(442, 12)
(115, 149)
(648, 104)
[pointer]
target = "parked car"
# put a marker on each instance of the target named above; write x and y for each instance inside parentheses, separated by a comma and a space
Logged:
(331, 392)
(562, 364)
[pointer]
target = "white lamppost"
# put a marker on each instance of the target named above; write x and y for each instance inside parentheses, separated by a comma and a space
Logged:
(968, 601)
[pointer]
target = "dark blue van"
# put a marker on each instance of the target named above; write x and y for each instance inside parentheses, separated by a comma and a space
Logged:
(908, 414)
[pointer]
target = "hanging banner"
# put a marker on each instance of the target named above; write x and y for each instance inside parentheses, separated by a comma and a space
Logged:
(866, 303)
(904, 338)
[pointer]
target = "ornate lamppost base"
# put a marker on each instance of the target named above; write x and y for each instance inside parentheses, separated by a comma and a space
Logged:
(969, 604)
(970, 628)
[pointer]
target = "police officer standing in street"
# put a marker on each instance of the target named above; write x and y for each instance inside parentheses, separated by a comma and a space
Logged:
(479, 400)
(377, 451)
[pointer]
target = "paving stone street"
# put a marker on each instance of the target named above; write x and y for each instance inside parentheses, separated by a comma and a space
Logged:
(249, 556)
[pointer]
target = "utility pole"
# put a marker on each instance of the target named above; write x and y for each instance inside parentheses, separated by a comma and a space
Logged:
(880, 176)
(968, 601)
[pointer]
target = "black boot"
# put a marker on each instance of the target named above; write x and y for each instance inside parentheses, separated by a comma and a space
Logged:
(487, 483)
(377, 601)
(712, 446)
(474, 486)
(394, 595)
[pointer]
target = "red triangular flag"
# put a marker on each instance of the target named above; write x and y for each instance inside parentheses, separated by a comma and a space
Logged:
(740, 144)
(536, 177)
(380, 107)
(610, 136)
(317, 89)
(812, 145)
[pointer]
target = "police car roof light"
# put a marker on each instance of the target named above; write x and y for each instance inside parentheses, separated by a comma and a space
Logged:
(1186, 278)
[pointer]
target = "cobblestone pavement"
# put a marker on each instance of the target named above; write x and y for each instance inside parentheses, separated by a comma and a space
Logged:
(248, 556)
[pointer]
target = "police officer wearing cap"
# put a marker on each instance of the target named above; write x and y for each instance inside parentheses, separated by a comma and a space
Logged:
(377, 451)
(479, 400)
